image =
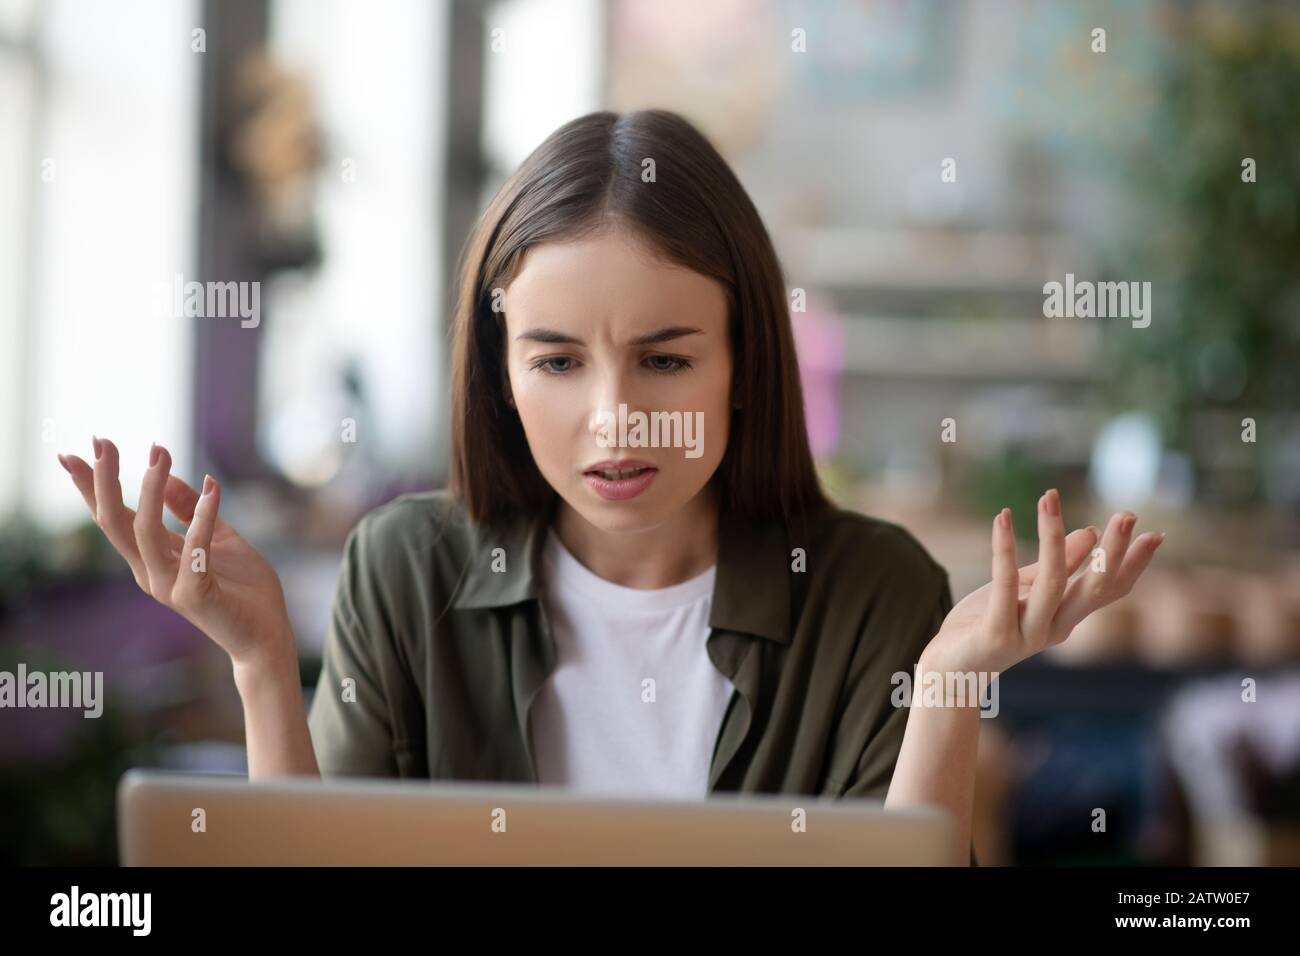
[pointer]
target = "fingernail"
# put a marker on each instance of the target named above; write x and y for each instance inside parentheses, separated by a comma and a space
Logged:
(64, 462)
(1126, 525)
(98, 446)
(1159, 540)
(208, 484)
(1005, 517)
(1095, 532)
(1053, 502)
(154, 454)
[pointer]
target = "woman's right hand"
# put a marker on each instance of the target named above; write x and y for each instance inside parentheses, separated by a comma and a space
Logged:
(211, 576)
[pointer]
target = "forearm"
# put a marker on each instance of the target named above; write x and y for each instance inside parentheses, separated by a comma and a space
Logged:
(275, 717)
(936, 765)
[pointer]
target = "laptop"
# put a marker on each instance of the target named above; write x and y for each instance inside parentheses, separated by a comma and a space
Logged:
(187, 819)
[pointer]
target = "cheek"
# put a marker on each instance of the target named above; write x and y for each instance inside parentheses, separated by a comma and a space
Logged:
(550, 419)
(539, 414)
(716, 434)
(709, 403)
(528, 398)
(714, 400)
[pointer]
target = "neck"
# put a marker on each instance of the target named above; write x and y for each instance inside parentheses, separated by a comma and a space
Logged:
(683, 547)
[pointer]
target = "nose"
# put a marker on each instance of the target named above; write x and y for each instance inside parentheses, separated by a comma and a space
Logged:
(610, 390)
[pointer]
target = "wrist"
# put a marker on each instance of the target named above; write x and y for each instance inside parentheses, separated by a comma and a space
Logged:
(951, 682)
(273, 663)
(936, 657)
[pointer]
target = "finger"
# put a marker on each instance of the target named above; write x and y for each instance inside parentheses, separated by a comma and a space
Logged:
(1136, 559)
(1049, 582)
(194, 580)
(1004, 594)
(1078, 545)
(180, 498)
(150, 535)
(112, 516)
(1097, 586)
(83, 476)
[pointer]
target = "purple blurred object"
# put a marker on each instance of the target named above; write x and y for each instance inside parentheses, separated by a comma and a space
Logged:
(105, 625)
(819, 343)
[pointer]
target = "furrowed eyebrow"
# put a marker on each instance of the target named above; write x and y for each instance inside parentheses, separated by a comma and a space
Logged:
(665, 335)
(650, 338)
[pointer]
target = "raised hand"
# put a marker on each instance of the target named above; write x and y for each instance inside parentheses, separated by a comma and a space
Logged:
(1024, 610)
(211, 576)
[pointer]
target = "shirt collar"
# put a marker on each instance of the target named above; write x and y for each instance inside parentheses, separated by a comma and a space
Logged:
(751, 591)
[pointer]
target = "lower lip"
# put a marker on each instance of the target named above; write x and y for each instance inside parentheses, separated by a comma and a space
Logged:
(623, 488)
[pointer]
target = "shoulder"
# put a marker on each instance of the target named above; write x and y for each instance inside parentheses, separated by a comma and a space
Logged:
(876, 594)
(416, 519)
(420, 539)
(869, 553)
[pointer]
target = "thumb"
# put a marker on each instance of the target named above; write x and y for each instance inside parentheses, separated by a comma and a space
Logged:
(181, 500)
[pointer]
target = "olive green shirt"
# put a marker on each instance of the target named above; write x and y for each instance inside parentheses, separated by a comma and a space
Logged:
(439, 624)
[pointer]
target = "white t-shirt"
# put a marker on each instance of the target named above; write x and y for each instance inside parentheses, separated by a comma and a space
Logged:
(596, 724)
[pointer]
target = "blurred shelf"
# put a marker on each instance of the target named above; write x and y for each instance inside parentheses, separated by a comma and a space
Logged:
(930, 260)
(974, 349)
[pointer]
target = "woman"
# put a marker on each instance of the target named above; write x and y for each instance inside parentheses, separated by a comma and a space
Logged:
(609, 605)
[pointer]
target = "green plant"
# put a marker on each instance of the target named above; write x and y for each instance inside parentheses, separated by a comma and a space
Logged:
(1221, 251)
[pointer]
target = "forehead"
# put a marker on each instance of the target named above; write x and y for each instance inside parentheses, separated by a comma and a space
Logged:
(612, 277)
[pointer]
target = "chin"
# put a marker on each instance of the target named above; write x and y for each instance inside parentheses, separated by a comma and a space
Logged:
(620, 516)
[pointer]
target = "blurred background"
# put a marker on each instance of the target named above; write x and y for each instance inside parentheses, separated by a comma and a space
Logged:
(337, 153)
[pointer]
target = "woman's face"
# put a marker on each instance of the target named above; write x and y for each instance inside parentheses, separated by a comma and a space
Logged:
(600, 323)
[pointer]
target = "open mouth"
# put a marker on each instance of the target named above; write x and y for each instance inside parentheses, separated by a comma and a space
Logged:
(620, 482)
(618, 474)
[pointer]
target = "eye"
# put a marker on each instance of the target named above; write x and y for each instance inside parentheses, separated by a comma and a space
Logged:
(546, 366)
(675, 365)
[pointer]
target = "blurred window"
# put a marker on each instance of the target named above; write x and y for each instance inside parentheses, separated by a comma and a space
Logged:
(101, 144)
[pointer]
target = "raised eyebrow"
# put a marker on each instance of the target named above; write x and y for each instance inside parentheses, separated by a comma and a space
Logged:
(650, 338)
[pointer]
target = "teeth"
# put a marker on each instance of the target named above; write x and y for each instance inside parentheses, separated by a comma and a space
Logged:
(620, 473)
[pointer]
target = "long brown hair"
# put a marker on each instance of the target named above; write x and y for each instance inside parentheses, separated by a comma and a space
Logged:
(584, 177)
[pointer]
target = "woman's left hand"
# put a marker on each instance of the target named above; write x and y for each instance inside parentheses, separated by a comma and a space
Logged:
(1024, 610)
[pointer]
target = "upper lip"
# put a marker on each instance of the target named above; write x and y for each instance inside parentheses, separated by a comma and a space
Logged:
(609, 465)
